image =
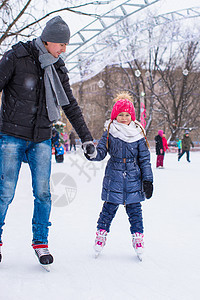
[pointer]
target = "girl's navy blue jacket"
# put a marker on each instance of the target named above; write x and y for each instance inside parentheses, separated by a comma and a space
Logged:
(129, 165)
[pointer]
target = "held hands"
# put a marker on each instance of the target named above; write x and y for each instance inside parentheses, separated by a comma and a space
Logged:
(161, 151)
(148, 189)
(89, 150)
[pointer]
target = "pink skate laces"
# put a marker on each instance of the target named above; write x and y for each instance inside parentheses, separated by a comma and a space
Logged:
(138, 240)
(100, 238)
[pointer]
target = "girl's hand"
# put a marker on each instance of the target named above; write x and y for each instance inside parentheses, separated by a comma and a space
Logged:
(148, 189)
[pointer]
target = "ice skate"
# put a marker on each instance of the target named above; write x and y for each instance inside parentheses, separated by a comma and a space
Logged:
(44, 256)
(0, 251)
(138, 244)
(100, 241)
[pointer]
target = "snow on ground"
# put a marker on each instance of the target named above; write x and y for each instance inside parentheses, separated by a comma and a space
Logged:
(171, 266)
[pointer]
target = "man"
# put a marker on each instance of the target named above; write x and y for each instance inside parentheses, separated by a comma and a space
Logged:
(186, 142)
(35, 84)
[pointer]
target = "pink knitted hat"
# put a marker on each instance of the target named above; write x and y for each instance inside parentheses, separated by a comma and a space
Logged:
(160, 132)
(123, 105)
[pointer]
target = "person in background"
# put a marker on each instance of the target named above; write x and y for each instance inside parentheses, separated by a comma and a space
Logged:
(159, 149)
(179, 145)
(72, 141)
(164, 141)
(35, 85)
(186, 143)
(66, 141)
(55, 138)
(59, 153)
(128, 176)
(165, 146)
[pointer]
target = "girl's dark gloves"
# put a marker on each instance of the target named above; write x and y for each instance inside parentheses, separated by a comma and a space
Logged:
(148, 189)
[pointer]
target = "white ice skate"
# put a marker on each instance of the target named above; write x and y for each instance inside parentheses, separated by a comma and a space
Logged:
(138, 244)
(100, 241)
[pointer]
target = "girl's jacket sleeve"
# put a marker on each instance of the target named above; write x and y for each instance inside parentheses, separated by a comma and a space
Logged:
(101, 148)
(144, 161)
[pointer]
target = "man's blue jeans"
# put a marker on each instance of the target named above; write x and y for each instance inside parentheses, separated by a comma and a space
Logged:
(12, 152)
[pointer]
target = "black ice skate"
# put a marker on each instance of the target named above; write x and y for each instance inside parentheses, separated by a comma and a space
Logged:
(44, 256)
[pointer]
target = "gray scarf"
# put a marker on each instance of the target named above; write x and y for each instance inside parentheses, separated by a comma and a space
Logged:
(55, 94)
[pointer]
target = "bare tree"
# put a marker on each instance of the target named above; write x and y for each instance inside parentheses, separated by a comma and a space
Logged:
(166, 76)
(24, 19)
(178, 92)
(137, 70)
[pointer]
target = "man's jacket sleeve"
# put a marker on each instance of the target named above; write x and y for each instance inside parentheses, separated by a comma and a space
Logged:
(73, 112)
(6, 69)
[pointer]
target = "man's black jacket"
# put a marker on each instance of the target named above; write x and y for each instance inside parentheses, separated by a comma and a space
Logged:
(23, 109)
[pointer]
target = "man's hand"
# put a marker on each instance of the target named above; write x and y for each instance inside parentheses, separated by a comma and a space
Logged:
(89, 149)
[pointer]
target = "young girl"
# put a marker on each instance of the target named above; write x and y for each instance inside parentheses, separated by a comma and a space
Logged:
(128, 175)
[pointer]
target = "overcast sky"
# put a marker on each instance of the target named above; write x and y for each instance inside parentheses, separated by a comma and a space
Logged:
(171, 5)
(76, 22)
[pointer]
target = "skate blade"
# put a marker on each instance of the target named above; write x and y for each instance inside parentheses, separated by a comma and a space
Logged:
(139, 257)
(46, 267)
(97, 253)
